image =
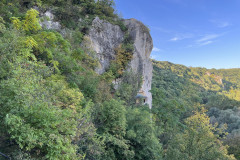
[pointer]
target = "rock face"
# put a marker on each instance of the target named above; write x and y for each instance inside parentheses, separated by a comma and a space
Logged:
(141, 62)
(48, 21)
(105, 37)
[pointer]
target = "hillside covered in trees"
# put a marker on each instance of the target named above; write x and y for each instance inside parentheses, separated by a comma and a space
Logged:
(54, 105)
(192, 88)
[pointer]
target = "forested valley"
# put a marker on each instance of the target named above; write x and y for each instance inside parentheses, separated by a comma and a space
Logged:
(179, 90)
(55, 106)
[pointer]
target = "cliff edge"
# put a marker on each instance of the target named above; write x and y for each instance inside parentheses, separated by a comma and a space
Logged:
(141, 62)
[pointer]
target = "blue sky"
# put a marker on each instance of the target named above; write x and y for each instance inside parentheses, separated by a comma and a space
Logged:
(197, 33)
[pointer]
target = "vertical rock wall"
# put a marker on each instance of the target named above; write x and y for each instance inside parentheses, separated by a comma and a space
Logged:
(141, 62)
(105, 37)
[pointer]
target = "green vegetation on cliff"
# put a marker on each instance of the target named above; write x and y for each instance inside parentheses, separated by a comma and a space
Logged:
(55, 106)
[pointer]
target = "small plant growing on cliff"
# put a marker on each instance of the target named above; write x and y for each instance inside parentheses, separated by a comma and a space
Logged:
(124, 54)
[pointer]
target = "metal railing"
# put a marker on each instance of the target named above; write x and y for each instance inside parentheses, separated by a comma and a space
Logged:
(5, 156)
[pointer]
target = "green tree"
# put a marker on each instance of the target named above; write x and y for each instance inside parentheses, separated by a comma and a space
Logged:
(142, 134)
(111, 122)
(30, 22)
(41, 113)
(35, 120)
(198, 141)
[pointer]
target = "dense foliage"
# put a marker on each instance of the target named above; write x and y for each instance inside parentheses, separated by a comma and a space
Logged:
(55, 106)
(198, 141)
(179, 90)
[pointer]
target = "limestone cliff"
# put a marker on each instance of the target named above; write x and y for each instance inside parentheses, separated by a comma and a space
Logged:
(47, 21)
(141, 62)
(105, 37)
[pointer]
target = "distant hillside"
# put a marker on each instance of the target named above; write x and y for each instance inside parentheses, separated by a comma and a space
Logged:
(224, 84)
(191, 88)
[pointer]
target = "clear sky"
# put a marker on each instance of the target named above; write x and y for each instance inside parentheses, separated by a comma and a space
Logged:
(197, 33)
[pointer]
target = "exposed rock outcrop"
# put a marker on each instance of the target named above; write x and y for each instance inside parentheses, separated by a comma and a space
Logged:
(105, 37)
(48, 21)
(141, 62)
